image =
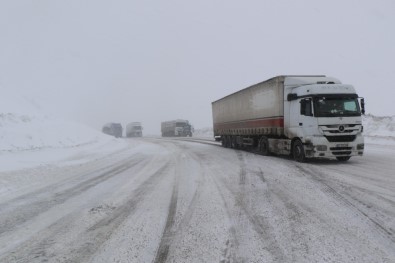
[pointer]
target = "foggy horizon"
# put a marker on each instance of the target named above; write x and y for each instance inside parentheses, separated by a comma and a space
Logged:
(97, 62)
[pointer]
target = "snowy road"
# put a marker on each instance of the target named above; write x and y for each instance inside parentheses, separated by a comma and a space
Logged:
(176, 201)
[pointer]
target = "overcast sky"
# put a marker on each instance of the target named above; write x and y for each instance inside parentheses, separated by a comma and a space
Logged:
(99, 61)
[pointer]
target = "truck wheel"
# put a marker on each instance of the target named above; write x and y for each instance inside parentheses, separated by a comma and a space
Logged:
(228, 142)
(223, 141)
(343, 158)
(264, 146)
(298, 151)
(233, 142)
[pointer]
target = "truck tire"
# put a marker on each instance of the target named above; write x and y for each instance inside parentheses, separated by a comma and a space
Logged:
(264, 146)
(298, 151)
(223, 141)
(228, 142)
(233, 142)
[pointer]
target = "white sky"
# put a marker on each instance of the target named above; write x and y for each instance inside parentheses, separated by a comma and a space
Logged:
(98, 61)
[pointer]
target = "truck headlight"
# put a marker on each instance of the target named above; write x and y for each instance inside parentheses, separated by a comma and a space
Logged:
(321, 148)
(360, 146)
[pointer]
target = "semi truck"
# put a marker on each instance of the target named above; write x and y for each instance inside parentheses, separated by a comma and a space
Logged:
(114, 129)
(312, 116)
(134, 129)
(177, 127)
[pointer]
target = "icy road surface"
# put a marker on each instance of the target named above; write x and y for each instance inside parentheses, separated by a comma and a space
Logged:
(175, 201)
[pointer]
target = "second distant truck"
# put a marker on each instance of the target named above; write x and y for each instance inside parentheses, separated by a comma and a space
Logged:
(134, 129)
(180, 128)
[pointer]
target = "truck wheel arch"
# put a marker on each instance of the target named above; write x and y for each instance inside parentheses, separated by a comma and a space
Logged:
(264, 146)
(298, 150)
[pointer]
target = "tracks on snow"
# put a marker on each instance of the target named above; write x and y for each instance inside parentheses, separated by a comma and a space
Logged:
(38, 248)
(329, 188)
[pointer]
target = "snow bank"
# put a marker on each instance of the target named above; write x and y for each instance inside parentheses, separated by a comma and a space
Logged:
(30, 137)
(24, 127)
(379, 130)
(204, 133)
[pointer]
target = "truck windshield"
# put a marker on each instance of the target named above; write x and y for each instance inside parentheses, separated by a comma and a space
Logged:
(336, 107)
(181, 124)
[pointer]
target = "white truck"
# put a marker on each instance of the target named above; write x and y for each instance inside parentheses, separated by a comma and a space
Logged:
(177, 127)
(303, 116)
(134, 129)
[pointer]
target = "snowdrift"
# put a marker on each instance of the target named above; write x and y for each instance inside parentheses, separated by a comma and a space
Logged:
(30, 138)
(24, 127)
(379, 130)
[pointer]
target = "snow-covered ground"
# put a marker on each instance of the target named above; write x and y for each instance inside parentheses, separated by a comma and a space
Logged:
(379, 130)
(69, 193)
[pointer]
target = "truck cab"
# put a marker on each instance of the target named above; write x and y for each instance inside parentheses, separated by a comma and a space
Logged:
(134, 129)
(324, 120)
(183, 128)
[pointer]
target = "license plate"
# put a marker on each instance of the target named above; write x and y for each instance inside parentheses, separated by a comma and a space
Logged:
(342, 145)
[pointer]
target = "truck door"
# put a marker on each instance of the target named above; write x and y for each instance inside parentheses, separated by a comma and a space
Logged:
(301, 117)
(306, 118)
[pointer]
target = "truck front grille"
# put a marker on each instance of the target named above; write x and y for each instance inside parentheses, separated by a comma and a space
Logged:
(342, 138)
(340, 148)
(342, 153)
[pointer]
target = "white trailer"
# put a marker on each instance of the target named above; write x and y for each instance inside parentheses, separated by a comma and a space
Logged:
(177, 127)
(303, 116)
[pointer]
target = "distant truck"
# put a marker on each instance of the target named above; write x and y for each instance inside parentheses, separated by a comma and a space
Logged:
(114, 129)
(134, 129)
(176, 128)
(302, 116)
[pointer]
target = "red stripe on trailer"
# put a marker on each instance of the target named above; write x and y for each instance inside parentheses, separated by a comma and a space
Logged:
(257, 123)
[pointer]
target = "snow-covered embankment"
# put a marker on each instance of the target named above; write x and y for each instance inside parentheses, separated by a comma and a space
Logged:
(29, 137)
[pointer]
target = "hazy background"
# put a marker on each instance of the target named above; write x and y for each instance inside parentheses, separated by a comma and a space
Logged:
(98, 61)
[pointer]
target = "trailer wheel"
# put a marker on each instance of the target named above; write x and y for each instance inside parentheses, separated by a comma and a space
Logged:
(264, 146)
(298, 151)
(233, 142)
(228, 142)
(223, 141)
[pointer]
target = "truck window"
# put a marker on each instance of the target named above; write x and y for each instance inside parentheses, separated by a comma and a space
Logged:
(350, 106)
(305, 107)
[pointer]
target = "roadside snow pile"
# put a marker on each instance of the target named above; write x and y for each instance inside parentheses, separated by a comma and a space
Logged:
(379, 130)
(24, 127)
(30, 138)
(204, 133)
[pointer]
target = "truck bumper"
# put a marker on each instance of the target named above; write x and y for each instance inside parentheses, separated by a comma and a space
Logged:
(320, 147)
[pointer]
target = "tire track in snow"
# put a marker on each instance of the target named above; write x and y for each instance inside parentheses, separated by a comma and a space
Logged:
(31, 207)
(86, 243)
(326, 187)
(232, 245)
(260, 226)
(243, 169)
(242, 211)
(168, 232)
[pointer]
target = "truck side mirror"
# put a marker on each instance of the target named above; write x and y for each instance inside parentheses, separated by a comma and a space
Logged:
(292, 96)
(363, 106)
